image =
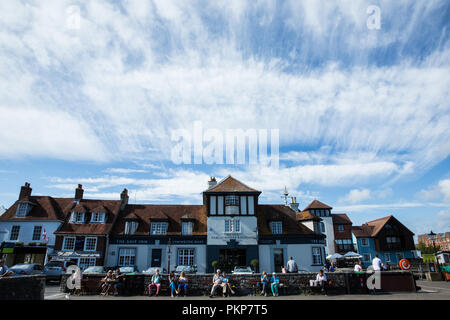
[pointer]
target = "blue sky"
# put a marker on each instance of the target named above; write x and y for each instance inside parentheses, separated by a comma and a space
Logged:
(363, 114)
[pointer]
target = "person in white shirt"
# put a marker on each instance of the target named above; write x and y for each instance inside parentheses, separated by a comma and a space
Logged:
(377, 264)
(358, 267)
(291, 265)
(321, 281)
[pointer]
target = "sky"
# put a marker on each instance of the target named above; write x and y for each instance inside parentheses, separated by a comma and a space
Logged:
(92, 93)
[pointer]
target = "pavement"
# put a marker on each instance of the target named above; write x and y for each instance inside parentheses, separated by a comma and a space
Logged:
(430, 290)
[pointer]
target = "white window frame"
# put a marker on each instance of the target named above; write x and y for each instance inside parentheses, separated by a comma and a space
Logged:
(276, 227)
(251, 205)
(387, 257)
(187, 227)
(322, 227)
(13, 232)
(86, 242)
(127, 254)
(34, 233)
(362, 242)
(212, 205)
(22, 209)
(65, 242)
(84, 265)
(75, 215)
(232, 226)
(317, 254)
(186, 256)
(131, 227)
(97, 215)
(158, 228)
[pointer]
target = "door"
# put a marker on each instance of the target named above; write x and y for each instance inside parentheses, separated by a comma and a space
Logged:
(156, 257)
(278, 259)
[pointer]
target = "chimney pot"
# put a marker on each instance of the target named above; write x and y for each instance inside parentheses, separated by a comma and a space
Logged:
(79, 192)
(212, 182)
(25, 191)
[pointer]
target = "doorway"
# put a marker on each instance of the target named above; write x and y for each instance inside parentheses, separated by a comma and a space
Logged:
(230, 258)
(156, 257)
(278, 259)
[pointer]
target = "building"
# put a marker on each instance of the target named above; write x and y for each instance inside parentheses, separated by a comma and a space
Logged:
(27, 227)
(441, 239)
(342, 232)
(83, 236)
(387, 237)
(231, 227)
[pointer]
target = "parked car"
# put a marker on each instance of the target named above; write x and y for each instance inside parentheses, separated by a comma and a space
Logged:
(94, 269)
(54, 269)
(125, 270)
(26, 269)
(242, 270)
(186, 269)
(151, 270)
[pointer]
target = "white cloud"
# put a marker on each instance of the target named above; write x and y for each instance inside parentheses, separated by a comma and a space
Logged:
(124, 170)
(357, 195)
(435, 192)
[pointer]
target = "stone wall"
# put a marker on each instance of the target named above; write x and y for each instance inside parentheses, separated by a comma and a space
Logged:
(200, 284)
(22, 288)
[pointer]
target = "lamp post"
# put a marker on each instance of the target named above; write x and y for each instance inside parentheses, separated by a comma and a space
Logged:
(168, 255)
(432, 236)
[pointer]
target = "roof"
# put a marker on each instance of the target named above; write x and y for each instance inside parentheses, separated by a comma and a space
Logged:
(110, 207)
(230, 184)
(173, 213)
(316, 204)
(372, 228)
(270, 212)
(306, 215)
(363, 231)
(340, 218)
(43, 208)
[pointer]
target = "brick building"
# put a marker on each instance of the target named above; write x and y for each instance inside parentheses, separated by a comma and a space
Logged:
(441, 239)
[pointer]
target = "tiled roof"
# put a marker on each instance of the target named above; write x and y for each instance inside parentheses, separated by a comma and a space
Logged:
(230, 184)
(43, 208)
(269, 212)
(341, 218)
(111, 208)
(372, 228)
(316, 204)
(363, 231)
(306, 215)
(173, 213)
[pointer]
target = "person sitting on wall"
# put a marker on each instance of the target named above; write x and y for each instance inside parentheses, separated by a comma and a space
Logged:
(225, 280)
(107, 283)
(275, 284)
(156, 282)
(332, 267)
(4, 271)
(264, 283)
(182, 283)
(218, 282)
(119, 277)
(172, 283)
(321, 281)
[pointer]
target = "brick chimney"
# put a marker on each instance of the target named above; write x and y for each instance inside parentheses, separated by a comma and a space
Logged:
(25, 191)
(124, 197)
(79, 192)
(294, 205)
(212, 182)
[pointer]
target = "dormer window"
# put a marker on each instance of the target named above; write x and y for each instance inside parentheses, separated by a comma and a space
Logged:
(232, 204)
(77, 217)
(158, 228)
(186, 228)
(276, 227)
(98, 217)
(22, 209)
(130, 227)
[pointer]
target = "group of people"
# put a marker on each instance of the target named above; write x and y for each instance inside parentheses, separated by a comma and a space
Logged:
(177, 286)
(221, 280)
(112, 280)
(274, 282)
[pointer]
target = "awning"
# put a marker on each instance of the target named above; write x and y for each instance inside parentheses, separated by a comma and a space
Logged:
(335, 256)
(77, 254)
(7, 247)
(352, 254)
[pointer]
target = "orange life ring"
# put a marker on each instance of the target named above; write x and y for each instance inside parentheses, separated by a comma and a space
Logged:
(405, 264)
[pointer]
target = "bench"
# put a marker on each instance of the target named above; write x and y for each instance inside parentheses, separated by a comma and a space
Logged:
(317, 289)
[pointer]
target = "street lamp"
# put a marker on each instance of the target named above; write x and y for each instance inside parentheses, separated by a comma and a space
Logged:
(168, 254)
(432, 236)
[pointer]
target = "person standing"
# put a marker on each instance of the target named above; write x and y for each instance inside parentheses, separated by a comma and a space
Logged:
(377, 264)
(275, 283)
(332, 267)
(218, 282)
(291, 265)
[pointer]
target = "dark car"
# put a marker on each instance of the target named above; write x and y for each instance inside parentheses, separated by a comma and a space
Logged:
(26, 269)
(54, 269)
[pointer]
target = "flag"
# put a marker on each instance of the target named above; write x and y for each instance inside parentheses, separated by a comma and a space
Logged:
(44, 236)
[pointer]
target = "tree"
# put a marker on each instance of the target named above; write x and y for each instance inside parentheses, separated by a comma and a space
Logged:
(422, 247)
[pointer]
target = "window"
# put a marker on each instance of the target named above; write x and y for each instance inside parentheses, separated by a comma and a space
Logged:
(130, 227)
(392, 239)
(387, 257)
(127, 257)
(212, 205)
(322, 227)
(186, 228)
(98, 217)
(69, 243)
(364, 242)
(399, 256)
(366, 256)
(158, 228)
(251, 205)
(77, 217)
(316, 255)
(232, 226)
(86, 262)
(344, 244)
(90, 244)
(186, 257)
(232, 200)
(340, 227)
(276, 227)
(37, 233)
(22, 209)
(14, 233)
